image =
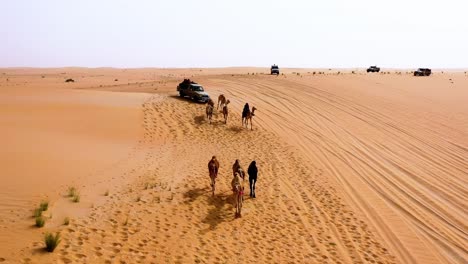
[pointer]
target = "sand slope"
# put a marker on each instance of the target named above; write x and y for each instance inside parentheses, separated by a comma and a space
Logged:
(353, 169)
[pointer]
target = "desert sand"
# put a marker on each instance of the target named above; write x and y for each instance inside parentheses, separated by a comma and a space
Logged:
(353, 167)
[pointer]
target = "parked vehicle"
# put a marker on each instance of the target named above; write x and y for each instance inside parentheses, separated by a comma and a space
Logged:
(373, 69)
(193, 90)
(275, 69)
(423, 72)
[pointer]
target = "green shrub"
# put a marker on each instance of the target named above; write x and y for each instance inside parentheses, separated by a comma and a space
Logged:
(37, 212)
(40, 221)
(44, 206)
(51, 241)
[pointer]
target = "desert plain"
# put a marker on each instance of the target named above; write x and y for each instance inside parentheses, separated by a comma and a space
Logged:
(354, 167)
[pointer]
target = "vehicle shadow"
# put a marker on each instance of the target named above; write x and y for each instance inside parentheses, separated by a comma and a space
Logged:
(185, 99)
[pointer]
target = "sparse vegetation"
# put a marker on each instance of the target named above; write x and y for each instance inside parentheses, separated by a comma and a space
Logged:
(353, 72)
(71, 191)
(146, 185)
(126, 222)
(76, 198)
(116, 80)
(106, 193)
(40, 221)
(51, 241)
(44, 205)
(66, 221)
(138, 199)
(37, 212)
(69, 80)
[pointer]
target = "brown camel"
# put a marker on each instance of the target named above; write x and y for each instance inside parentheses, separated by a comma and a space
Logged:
(213, 168)
(209, 112)
(236, 168)
(211, 102)
(249, 116)
(221, 100)
(225, 111)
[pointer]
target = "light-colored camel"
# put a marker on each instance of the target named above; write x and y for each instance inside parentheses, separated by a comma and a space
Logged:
(249, 116)
(237, 185)
(209, 112)
(213, 168)
(221, 101)
(225, 111)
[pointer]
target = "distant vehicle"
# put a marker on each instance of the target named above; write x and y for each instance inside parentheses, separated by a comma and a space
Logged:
(193, 90)
(423, 72)
(275, 69)
(373, 69)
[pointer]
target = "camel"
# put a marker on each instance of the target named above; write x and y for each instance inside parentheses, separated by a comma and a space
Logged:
(221, 100)
(211, 102)
(209, 112)
(213, 168)
(237, 184)
(236, 168)
(248, 117)
(225, 111)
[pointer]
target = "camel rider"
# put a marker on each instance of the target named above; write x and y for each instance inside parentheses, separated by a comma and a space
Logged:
(246, 110)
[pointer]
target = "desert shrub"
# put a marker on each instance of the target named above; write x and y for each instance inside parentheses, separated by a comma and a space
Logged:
(106, 193)
(71, 191)
(37, 212)
(40, 221)
(116, 80)
(76, 198)
(44, 205)
(51, 241)
(313, 73)
(353, 72)
(69, 80)
(66, 221)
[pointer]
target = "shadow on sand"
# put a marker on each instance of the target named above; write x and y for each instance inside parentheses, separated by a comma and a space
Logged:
(220, 206)
(185, 99)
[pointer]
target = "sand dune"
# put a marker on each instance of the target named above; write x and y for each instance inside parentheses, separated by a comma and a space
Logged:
(354, 168)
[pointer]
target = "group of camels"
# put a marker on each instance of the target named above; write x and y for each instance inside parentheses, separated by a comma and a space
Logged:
(247, 115)
(237, 182)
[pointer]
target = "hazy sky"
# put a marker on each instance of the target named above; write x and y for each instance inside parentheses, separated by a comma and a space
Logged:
(216, 33)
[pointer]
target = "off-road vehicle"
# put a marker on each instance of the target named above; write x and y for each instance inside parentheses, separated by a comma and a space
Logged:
(423, 72)
(373, 69)
(193, 90)
(274, 69)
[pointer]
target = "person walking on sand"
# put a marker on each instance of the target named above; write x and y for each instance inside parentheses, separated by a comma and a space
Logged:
(252, 171)
(245, 112)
